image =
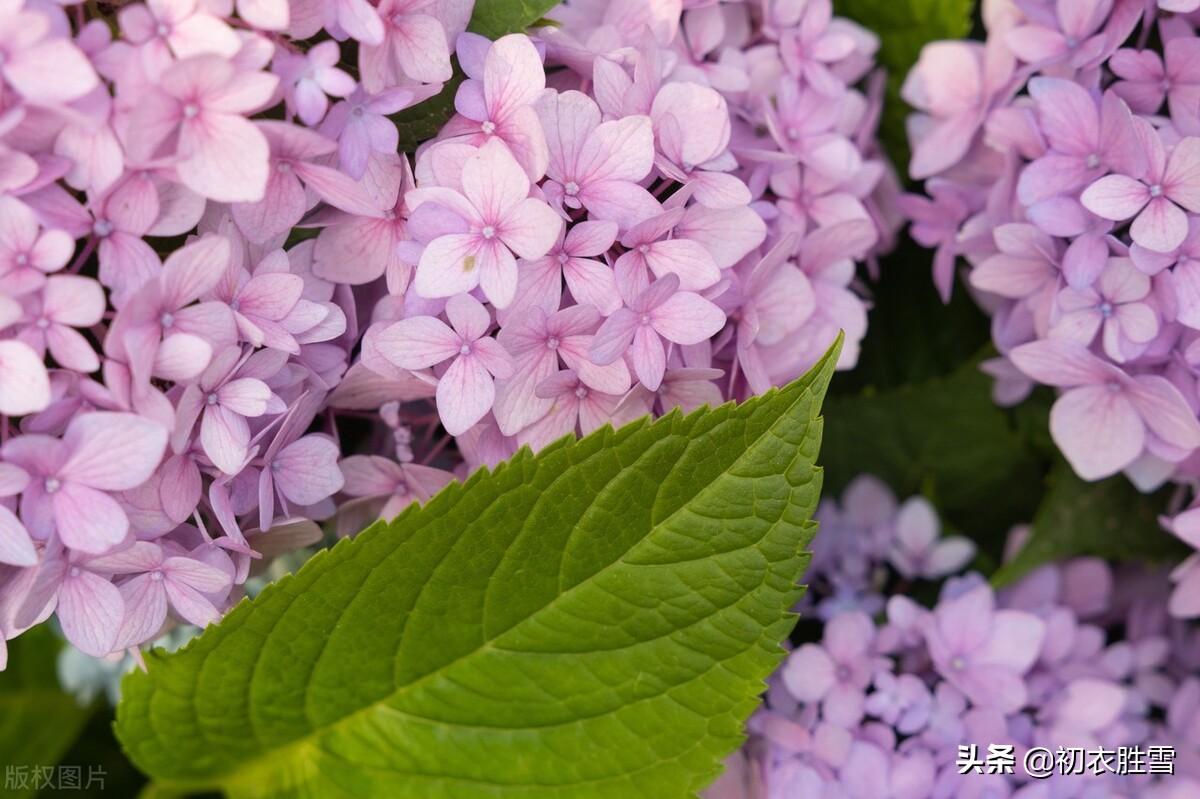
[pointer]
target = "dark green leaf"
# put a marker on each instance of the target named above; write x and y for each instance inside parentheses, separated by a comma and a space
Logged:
(1109, 519)
(494, 18)
(38, 721)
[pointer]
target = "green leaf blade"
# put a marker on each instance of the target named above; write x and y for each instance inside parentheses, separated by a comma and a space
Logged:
(595, 621)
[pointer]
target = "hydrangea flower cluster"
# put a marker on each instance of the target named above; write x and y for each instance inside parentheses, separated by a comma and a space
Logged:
(231, 309)
(1073, 655)
(1062, 163)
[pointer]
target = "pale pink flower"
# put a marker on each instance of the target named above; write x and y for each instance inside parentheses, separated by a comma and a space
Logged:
(415, 47)
(651, 254)
(43, 67)
(263, 302)
(1105, 419)
(597, 165)
(293, 150)
(67, 302)
(497, 101)
(311, 79)
(1146, 81)
(575, 408)
(917, 550)
(16, 547)
(1068, 30)
(1155, 196)
(466, 390)
(224, 400)
(165, 30)
(1117, 304)
(197, 114)
(591, 282)
(362, 128)
(383, 488)
(67, 494)
(27, 252)
(659, 312)
(493, 218)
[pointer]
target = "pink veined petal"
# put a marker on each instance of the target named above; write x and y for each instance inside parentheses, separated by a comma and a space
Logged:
(1165, 411)
(73, 300)
(467, 316)
(729, 235)
(917, 525)
(517, 406)
(513, 75)
(464, 394)
(419, 47)
(1061, 363)
(1068, 115)
(182, 357)
(494, 357)
(196, 574)
(88, 520)
(145, 600)
(614, 336)
(189, 603)
(1015, 640)
(647, 356)
(270, 296)
(181, 487)
(449, 266)
(52, 250)
(592, 283)
(24, 382)
(246, 396)
(359, 19)
(591, 238)
(1098, 430)
(227, 158)
(621, 149)
(16, 547)
(530, 229)
(687, 259)
(1115, 197)
(52, 71)
(90, 610)
(112, 451)
(1052, 175)
(1182, 179)
(948, 556)
(306, 472)
(621, 201)
(1161, 226)
(687, 318)
(1090, 704)
(282, 206)
(494, 182)
(225, 438)
(943, 145)
(194, 270)
(569, 118)
(418, 342)
(71, 349)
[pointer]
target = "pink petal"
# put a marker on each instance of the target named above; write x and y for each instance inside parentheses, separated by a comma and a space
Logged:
(1165, 411)
(194, 270)
(647, 357)
(270, 296)
(189, 603)
(112, 451)
(495, 183)
(90, 610)
(687, 318)
(1182, 179)
(1161, 226)
(88, 520)
(448, 266)
(687, 259)
(145, 600)
(418, 342)
(24, 383)
(464, 394)
(1061, 363)
(1098, 430)
(72, 300)
(306, 472)
(228, 158)
(614, 336)
(467, 316)
(808, 673)
(513, 74)
(199, 575)
(16, 547)
(225, 437)
(1115, 197)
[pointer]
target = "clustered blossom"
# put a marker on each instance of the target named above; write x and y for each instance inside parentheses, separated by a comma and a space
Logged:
(232, 310)
(1075, 654)
(1061, 160)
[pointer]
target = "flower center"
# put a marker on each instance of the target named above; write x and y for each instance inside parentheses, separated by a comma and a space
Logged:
(1072, 42)
(572, 188)
(843, 673)
(235, 305)
(488, 127)
(1156, 190)
(102, 227)
(489, 232)
(167, 319)
(1106, 309)
(1114, 387)
(397, 19)
(284, 167)
(958, 664)
(1093, 161)
(644, 319)
(552, 343)
(42, 323)
(75, 571)
(211, 399)
(156, 576)
(563, 257)
(793, 133)
(162, 29)
(191, 110)
(580, 392)
(358, 111)
(22, 259)
(52, 485)
(465, 349)
(643, 248)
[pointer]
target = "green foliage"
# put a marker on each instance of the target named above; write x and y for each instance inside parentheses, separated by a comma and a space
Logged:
(38, 721)
(491, 18)
(494, 18)
(1109, 519)
(904, 27)
(595, 621)
(944, 437)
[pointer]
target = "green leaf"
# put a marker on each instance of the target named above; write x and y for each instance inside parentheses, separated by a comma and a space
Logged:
(593, 622)
(38, 721)
(904, 27)
(494, 18)
(944, 437)
(491, 18)
(1109, 519)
